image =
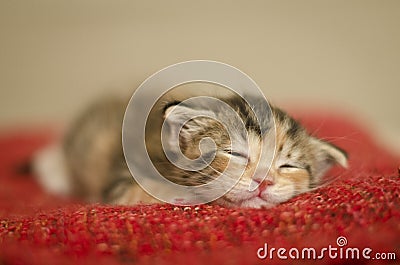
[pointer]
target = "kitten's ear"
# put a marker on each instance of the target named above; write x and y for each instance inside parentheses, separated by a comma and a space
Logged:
(177, 114)
(184, 120)
(328, 155)
(169, 107)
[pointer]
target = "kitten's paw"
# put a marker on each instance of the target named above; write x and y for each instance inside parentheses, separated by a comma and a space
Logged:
(51, 172)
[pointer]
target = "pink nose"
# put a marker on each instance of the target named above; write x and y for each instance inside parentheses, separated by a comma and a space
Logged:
(263, 185)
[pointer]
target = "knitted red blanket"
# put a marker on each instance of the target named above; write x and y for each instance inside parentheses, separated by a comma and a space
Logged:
(354, 220)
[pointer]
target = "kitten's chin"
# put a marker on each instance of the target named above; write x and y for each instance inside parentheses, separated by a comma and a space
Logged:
(256, 202)
(246, 200)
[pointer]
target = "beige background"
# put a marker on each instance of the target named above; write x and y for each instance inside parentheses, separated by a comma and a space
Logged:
(343, 55)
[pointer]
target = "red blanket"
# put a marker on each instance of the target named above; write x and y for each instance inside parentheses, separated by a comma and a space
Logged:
(356, 216)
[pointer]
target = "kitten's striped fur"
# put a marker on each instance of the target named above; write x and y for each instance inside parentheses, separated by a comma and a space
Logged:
(96, 165)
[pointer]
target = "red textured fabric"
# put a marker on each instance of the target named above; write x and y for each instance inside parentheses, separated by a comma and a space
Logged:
(363, 206)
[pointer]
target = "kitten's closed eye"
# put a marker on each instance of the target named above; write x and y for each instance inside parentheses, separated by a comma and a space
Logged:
(289, 168)
(237, 154)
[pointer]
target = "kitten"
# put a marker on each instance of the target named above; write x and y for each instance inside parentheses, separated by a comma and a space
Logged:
(96, 168)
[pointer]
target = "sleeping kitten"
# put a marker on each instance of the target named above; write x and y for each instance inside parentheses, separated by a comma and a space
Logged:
(96, 168)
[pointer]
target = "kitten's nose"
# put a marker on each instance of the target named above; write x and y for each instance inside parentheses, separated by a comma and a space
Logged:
(262, 185)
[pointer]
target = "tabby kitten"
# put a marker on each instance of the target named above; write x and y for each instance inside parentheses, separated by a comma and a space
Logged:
(96, 169)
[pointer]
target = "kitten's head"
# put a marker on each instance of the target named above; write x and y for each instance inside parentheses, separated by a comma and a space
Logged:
(298, 164)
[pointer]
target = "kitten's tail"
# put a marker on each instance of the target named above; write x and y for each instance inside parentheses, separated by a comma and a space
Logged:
(51, 172)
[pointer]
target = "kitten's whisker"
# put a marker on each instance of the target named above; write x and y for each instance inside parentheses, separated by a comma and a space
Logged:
(316, 130)
(325, 182)
(345, 137)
